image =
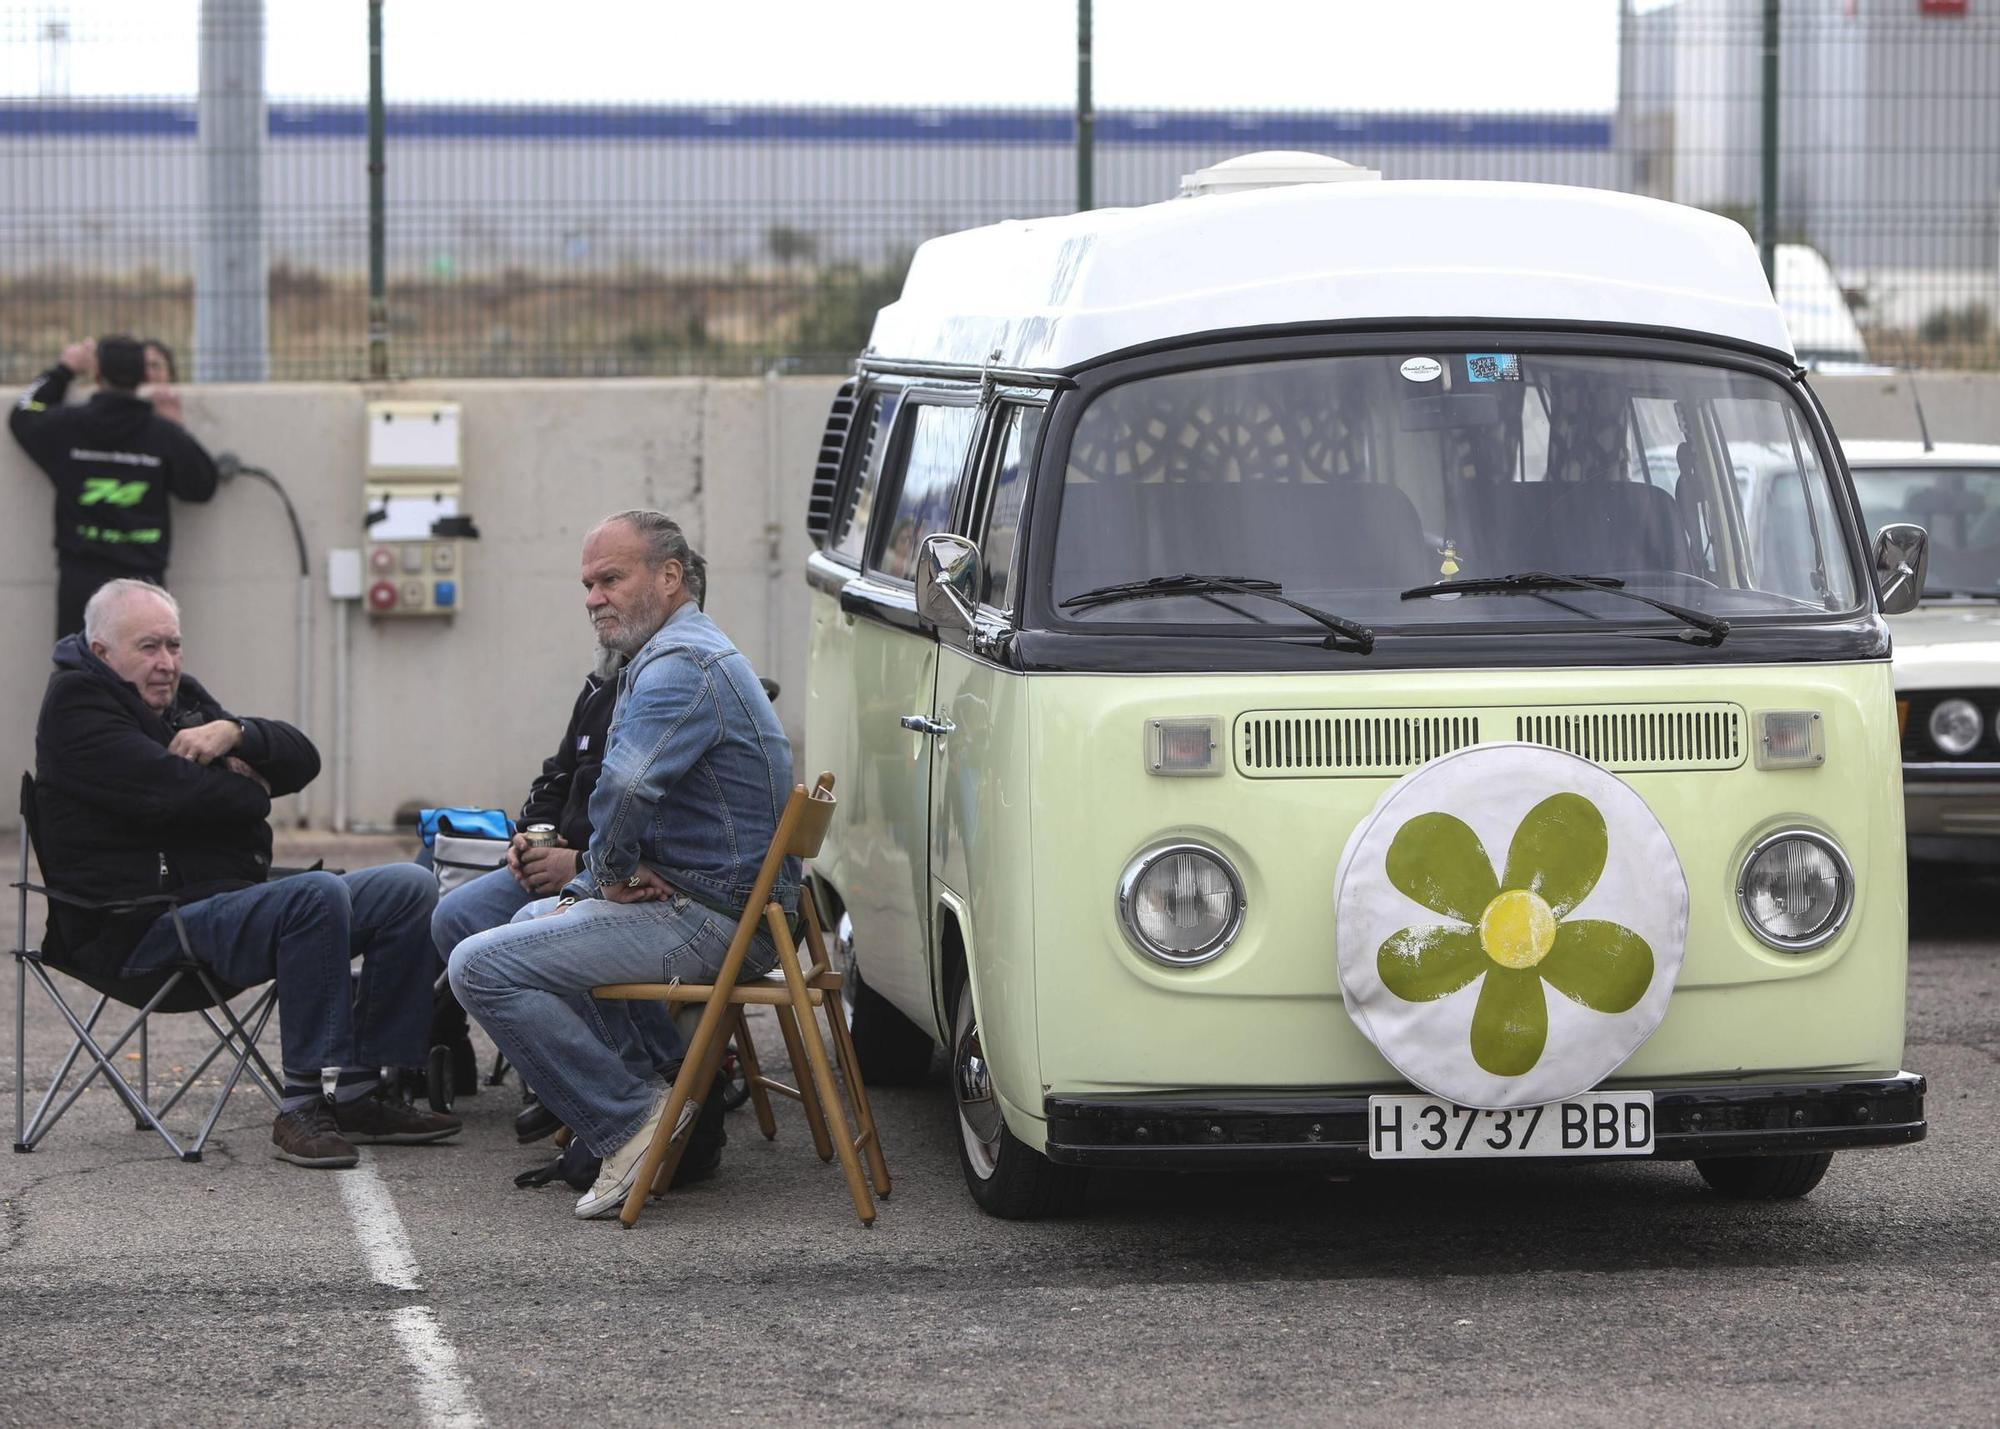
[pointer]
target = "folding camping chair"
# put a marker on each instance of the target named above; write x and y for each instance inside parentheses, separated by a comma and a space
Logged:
(794, 992)
(185, 986)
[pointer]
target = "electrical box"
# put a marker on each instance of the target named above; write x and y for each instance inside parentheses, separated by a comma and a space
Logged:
(414, 516)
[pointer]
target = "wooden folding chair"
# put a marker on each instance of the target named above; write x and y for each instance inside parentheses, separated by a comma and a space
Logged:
(793, 992)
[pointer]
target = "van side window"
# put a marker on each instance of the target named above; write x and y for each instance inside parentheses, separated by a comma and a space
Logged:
(934, 456)
(1795, 537)
(849, 536)
(1003, 515)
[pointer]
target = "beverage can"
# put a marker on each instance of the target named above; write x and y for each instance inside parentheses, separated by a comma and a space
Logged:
(539, 835)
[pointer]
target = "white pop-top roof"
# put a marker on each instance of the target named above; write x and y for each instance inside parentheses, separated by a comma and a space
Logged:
(1055, 293)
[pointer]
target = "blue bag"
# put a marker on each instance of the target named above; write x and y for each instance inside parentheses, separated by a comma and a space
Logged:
(467, 823)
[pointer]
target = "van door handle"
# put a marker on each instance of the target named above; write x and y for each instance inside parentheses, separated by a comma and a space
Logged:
(924, 724)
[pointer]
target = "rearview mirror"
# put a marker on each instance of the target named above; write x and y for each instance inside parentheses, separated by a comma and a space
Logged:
(1902, 561)
(947, 581)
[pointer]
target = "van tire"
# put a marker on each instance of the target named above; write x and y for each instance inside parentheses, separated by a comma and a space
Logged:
(1007, 1178)
(893, 1051)
(1764, 1178)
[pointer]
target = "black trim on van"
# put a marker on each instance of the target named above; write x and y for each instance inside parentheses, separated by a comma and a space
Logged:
(876, 599)
(1770, 1115)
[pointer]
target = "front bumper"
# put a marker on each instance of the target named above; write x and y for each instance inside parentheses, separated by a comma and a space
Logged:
(1756, 1116)
(1952, 811)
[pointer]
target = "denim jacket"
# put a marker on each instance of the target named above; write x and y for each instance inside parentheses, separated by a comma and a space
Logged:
(696, 772)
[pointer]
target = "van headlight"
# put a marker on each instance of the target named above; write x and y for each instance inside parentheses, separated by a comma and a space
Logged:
(1955, 726)
(1180, 904)
(1796, 890)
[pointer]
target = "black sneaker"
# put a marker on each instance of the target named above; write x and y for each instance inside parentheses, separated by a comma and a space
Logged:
(310, 1136)
(376, 1118)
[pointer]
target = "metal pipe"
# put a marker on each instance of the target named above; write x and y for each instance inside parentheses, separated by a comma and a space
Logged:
(340, 698)
(302, 691)
(1767, 203)
(229, 464)
(378, 296)
(1086, 117)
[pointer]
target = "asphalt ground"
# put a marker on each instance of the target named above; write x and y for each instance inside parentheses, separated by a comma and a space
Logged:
(138, 1290)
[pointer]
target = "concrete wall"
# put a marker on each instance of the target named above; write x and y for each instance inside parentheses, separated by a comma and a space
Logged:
(462, 711)
(458, 711)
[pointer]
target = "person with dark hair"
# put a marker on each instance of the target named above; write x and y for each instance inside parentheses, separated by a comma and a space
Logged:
(114, 461)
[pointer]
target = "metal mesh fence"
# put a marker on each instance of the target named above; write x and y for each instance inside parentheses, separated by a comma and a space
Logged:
(620, 238)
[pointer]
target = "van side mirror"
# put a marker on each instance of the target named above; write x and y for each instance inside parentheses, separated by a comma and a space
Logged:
(948, 570)
(1902, 561)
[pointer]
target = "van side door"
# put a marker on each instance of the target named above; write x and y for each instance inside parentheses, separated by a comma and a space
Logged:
(892, 663)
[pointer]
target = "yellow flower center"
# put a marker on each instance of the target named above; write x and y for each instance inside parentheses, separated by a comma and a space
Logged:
(1517, 929)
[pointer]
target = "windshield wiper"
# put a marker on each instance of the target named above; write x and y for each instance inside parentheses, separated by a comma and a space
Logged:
(1713, 628)
(1189, 583)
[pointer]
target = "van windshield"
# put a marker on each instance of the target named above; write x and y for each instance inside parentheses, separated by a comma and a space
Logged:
(1351, 479)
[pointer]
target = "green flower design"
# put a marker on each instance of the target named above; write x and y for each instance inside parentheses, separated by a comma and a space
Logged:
(1511, 932)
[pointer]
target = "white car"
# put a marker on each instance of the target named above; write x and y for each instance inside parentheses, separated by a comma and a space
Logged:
(1947, 651)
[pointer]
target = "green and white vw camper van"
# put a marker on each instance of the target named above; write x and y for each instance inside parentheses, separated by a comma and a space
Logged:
(1289, 711)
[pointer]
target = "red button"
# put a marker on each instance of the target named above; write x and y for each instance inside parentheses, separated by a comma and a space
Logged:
(382, 595)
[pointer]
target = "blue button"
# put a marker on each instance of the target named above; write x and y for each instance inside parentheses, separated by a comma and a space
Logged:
(444, 593)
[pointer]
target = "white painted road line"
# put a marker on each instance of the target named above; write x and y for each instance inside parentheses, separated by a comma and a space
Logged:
(441, 1387)
(446, 1397)
(378, 1227)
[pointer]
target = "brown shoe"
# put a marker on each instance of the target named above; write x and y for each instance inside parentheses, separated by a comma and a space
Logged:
(309, 1136)
(392, 1121)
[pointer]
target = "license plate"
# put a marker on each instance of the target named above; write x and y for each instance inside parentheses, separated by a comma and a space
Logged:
(1594, 1124)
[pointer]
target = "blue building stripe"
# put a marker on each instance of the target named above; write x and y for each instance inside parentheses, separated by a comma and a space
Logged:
(1242, 130)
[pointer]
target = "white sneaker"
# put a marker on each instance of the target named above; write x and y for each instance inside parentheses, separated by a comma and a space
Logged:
(606, 1196)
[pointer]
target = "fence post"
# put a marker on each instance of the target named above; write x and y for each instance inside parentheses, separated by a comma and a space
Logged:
(1767, 202)
(378, 289)
(1086, 117)
(231, 322)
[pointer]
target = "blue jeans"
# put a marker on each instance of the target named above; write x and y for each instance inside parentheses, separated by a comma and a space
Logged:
(488, 901)
(594, 1064)
(302, 932)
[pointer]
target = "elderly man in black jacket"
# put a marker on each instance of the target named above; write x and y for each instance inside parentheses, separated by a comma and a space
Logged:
(147, 785)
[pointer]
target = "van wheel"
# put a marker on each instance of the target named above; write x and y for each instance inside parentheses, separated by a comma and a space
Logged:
(1764, 1178)
(1007, 1178)
(893, 1051)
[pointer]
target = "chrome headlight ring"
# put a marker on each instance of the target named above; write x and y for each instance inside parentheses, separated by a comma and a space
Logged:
(1132, 881)
(1828, 927)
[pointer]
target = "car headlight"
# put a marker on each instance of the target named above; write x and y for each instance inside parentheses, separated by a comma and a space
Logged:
(1181, 904)
(1955, 726)
(1796, 890)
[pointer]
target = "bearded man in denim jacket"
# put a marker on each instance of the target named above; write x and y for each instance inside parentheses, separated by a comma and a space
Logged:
(696, 773)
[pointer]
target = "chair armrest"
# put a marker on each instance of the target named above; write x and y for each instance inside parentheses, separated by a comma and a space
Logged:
(102, 905)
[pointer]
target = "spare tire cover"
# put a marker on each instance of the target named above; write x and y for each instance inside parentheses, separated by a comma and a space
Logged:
(1509, 922)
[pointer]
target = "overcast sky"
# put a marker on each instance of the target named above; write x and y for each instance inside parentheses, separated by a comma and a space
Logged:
(1285, 54)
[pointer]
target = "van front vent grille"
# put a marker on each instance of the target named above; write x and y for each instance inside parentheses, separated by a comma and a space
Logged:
(826, 470)
(1708, 736)
(1307, 744)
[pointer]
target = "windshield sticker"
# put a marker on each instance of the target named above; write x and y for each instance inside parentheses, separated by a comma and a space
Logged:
(1422, 369)
(1492, 367)
(1520, 981)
